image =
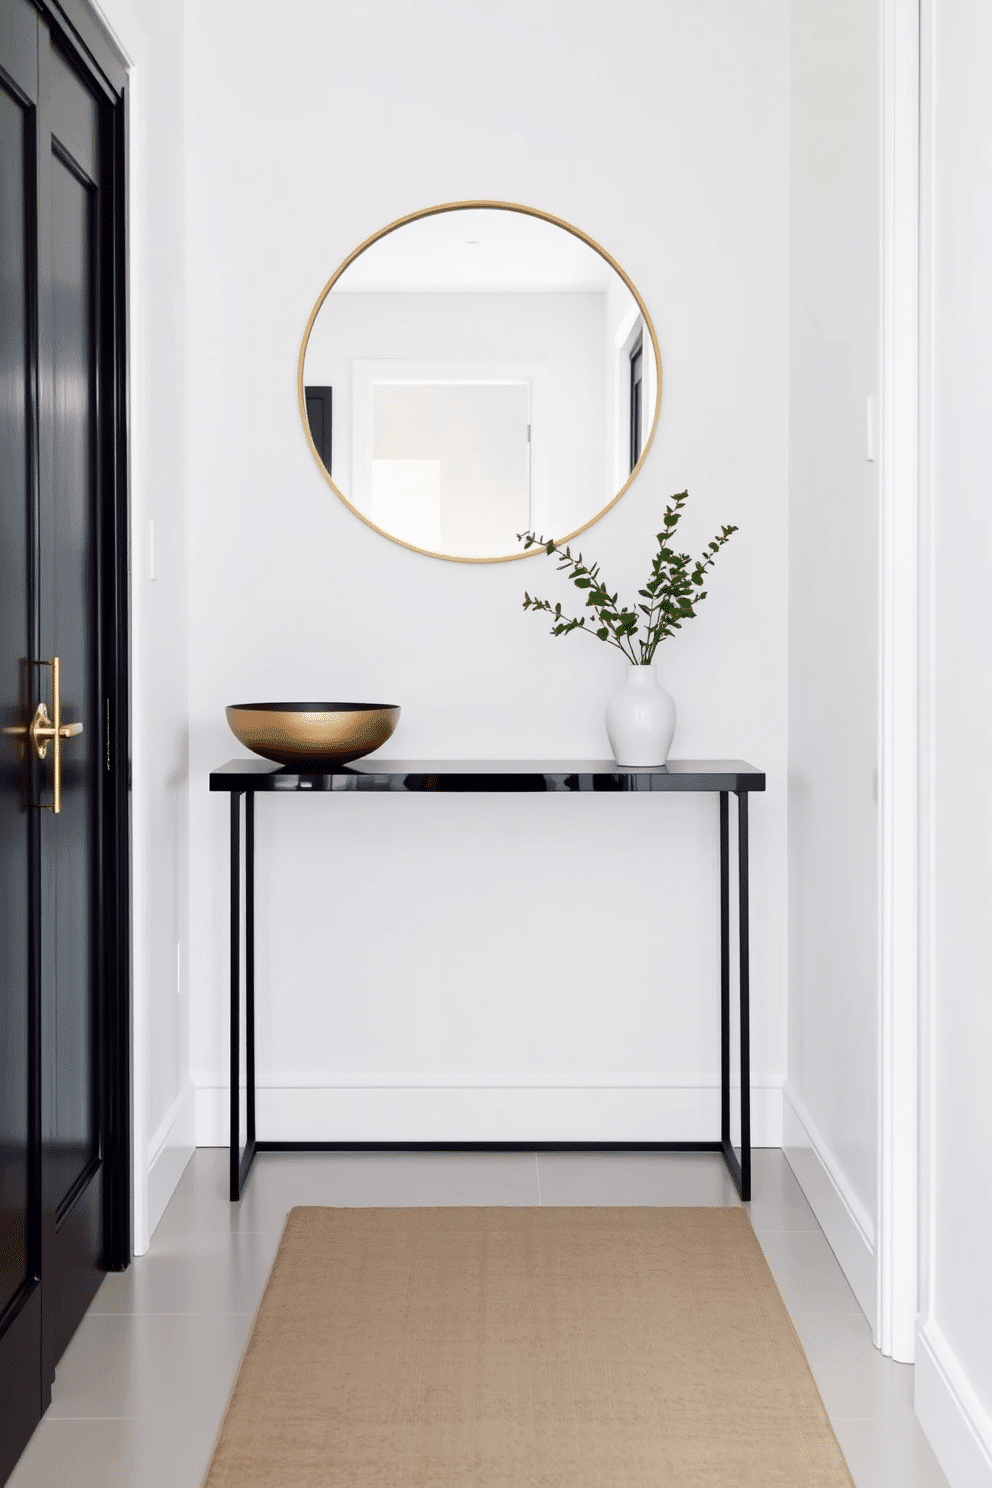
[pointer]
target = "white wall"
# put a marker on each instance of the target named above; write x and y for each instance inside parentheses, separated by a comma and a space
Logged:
(563, 330)
(485, 968)
(151, 37)
(832, 1091)
(954, 1360)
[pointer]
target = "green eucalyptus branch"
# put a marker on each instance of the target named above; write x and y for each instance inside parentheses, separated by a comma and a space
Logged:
(672, 592)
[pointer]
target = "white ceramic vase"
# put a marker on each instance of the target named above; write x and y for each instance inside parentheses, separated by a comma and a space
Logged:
(640, 719)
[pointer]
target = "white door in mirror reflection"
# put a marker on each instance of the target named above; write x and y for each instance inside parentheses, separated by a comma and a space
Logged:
(449, 463)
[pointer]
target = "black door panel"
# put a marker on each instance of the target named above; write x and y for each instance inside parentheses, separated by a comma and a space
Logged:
(71, 1155)
(15, 647)
(67, 631)
(20, 1230)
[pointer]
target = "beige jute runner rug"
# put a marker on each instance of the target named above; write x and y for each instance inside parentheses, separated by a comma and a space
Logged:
(531, 1348)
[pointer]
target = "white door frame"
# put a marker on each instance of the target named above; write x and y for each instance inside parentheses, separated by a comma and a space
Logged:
(898, 1088)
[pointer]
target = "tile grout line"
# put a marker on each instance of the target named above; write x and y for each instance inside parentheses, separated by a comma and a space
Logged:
(241, 1312)
(47, 1417)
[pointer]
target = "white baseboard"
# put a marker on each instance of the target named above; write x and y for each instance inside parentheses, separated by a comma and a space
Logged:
(491, 1113)
(169, 1151)
(849, 1229)
(956, 1423)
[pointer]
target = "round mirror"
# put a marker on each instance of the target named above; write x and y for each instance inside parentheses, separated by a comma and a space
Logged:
(475, 370)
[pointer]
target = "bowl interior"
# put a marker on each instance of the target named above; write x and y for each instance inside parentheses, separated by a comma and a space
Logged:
(311, 707)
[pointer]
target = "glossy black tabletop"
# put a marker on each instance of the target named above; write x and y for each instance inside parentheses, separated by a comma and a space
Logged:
(491, 776)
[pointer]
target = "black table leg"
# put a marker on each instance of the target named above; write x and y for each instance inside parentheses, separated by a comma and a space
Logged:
(724, 974)
(241, 1162)
(740, 1168)
(250, 972)
(235, 989)
(745, 979)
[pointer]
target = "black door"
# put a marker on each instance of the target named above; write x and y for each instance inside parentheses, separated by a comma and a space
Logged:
(63, 752)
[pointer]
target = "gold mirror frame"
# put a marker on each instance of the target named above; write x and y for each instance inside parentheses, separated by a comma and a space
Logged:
(461, 206)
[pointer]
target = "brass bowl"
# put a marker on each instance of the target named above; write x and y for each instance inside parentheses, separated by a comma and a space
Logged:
(309, 735)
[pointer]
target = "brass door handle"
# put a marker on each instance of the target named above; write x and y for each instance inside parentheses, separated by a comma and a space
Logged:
(42, 728)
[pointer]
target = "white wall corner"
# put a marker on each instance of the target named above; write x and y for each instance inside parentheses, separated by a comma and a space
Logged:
(169, 1151)
(957, 1426)
(896, 1247)
(844, 1221)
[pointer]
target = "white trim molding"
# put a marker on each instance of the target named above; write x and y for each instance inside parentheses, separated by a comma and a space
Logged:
(169, 1151)
(310, 1108)
(957, 1425)
(896, 1248)
(927, 967)
(847, 1225)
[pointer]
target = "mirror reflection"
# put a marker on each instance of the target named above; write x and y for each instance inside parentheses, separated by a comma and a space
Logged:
(474, 371)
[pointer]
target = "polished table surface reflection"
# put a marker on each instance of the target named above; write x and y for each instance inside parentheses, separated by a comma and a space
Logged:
(248, 777)
(486, 776)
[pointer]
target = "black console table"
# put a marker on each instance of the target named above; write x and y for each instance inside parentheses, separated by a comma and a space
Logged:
(246, 777)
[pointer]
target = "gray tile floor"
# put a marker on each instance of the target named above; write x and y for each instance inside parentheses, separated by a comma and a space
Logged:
(140, 1393)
